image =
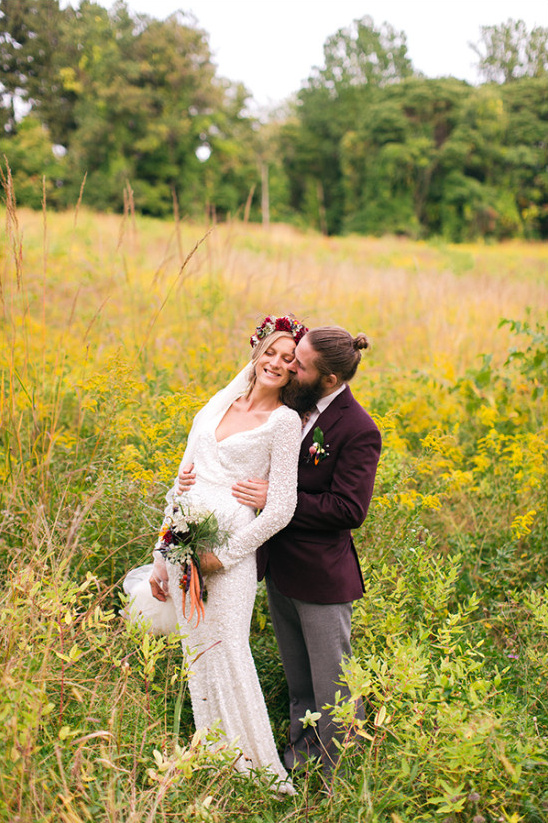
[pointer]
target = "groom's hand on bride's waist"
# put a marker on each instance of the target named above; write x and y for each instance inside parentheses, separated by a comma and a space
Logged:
(186, 478)
(251, 492)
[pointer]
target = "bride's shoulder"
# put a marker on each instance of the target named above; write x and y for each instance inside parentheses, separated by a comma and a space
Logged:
(288, 415)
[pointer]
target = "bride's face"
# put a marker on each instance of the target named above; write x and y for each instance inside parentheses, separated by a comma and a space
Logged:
(275, 367)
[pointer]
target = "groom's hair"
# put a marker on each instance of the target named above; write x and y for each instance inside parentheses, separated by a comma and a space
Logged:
(337, 352)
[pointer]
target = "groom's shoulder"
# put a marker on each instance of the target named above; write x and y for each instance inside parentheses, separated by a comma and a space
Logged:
(356, 414)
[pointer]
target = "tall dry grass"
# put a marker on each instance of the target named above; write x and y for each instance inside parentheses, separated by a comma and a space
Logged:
(108, 277)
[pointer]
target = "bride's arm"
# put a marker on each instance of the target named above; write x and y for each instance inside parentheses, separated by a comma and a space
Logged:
(282, 493)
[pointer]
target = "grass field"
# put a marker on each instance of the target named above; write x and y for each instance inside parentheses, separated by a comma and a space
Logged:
(114, 331)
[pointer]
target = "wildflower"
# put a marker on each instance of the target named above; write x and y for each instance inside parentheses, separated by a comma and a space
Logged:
(521, 524)
(310, 718)
(431, 501)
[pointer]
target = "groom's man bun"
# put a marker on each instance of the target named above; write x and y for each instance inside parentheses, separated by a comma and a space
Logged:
(337, 352)
(361, 341)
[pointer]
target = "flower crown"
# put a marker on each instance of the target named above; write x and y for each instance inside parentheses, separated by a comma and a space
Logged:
(271, 324)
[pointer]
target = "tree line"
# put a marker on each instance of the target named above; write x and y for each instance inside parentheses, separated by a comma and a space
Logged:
(108, 104)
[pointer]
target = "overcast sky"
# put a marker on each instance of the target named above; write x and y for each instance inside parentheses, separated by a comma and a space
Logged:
(272, 45)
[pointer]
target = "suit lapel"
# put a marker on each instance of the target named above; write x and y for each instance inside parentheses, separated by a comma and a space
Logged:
(328, 419)
(333, 413)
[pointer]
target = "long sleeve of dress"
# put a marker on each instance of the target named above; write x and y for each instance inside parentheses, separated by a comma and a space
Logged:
(282, 491)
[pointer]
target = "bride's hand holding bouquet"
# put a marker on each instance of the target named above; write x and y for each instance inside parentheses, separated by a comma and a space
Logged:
(158, 580)
(188, 535)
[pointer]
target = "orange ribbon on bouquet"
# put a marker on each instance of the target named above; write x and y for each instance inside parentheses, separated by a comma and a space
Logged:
(191, 583)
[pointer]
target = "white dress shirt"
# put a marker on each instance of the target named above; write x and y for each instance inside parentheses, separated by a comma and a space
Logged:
(320, 407)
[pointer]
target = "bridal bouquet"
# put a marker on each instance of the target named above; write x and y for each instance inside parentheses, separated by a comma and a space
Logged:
(188, 531)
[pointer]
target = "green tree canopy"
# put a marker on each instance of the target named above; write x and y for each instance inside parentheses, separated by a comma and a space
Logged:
(30, 38)
(362, 55)
(367, 146)
(359, 60)
(131, 98)
(509, 51)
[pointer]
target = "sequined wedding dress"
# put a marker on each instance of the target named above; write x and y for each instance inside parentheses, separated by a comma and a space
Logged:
(224, 687)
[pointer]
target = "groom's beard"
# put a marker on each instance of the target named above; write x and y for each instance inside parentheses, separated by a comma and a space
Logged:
(303, 396)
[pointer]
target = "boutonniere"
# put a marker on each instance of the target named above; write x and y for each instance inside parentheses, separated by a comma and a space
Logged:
(318, 450)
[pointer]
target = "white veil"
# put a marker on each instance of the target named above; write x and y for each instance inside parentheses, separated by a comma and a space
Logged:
(219, 402)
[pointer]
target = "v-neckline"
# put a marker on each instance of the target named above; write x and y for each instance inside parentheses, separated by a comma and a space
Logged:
(243, 431)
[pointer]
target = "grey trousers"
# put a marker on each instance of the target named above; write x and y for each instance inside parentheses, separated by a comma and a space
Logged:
(313, 639)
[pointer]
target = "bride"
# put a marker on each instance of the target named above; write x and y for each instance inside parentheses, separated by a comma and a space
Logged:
(244, 431)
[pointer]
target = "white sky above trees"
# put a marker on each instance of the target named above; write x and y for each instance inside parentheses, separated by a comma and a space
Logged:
(272, 45)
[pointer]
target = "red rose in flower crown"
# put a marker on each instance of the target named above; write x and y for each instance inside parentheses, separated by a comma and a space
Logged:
(282, 324)
(271, 324)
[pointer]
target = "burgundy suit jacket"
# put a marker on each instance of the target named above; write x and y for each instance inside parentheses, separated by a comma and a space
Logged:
(313, 559)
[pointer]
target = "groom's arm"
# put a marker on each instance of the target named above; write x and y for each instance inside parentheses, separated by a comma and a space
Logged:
(250, 493)
(346, 503)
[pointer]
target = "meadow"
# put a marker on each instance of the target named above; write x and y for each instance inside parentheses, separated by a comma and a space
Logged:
(115, 329)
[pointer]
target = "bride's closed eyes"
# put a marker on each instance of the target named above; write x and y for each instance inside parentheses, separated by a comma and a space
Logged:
(287, 358)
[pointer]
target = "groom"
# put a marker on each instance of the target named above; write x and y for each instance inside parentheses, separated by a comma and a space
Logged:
(311, 567)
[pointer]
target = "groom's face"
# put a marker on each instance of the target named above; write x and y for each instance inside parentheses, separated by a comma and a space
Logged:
(305, 362)
(308, 385)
